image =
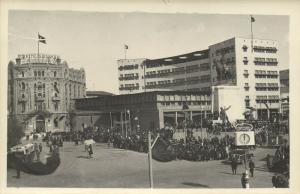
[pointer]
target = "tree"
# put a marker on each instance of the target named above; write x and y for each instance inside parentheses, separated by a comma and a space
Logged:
(14, 132)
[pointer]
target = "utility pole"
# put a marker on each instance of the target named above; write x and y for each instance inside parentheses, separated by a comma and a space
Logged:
(150, 160)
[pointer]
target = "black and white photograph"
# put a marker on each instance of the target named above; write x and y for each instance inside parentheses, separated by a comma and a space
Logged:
(144, 100)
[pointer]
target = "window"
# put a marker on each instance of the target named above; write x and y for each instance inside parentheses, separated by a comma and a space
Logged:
(39, 73)
(43, 73)
(23, 86)
(246, 74)
(246, 86)
(245, 61)
(35, 74)
(22, 73)
(247, 103)
(245, 48)
(23, 107)
(56, 106)
(54, 73)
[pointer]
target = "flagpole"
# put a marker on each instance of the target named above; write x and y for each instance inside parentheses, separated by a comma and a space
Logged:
(125, 50)
(251, 33)
(38, 47)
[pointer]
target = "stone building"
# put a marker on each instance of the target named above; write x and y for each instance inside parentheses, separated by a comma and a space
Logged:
(41, 89)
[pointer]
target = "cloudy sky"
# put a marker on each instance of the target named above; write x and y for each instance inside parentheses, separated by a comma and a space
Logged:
(95, 40)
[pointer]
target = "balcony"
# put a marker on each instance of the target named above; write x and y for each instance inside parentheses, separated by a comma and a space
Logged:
(39, 98)
(23, 99)
(55, 98)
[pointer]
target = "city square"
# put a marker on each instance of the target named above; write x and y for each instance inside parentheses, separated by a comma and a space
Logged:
(204, 113)
(113, 168)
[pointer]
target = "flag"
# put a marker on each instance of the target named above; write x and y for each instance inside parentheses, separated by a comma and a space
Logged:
(125, 46)
(42, 39)
(252, 19)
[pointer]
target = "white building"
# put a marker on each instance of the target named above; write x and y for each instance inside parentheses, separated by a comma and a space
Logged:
(239, 73)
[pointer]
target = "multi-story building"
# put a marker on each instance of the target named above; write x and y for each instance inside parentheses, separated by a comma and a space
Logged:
(40, 90)
(150, 110)
(284, 93)
(189, 72)
(240, 72)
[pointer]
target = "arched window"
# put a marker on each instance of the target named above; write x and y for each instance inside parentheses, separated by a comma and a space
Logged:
(23, 86)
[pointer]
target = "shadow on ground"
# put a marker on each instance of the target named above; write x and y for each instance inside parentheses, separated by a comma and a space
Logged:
(195, 185)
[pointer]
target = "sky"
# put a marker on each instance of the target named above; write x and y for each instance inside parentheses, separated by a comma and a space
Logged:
(95, 40)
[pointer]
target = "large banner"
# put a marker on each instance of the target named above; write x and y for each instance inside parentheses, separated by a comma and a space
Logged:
(225, 70)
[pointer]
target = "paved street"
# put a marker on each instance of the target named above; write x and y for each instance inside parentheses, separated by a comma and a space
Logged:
(122, 168)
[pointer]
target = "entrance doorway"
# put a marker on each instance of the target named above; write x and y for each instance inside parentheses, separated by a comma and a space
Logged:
(40, 124)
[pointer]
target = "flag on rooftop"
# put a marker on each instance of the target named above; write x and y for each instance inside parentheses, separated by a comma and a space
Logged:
(125, 46)
(252, 19)
(42, 39)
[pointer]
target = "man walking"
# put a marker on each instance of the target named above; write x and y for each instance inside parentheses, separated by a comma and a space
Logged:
(234, 165)
(251, 167)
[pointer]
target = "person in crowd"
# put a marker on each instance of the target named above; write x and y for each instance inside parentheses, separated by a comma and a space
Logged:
(90, 151)
(251, 167)
(234, 165)
(40, 147)
(244, 180)
(18, 164)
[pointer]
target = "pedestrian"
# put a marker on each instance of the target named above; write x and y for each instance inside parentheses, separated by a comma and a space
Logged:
(90, 151)
(40, 147)
(274, 181)
(18, 165)
(234, 165)
(37, 152)
(244, 181)
(251, 167)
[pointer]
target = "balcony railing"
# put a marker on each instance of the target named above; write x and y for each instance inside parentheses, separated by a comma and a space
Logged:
(39, 98)
(55, 98)
(23, 99)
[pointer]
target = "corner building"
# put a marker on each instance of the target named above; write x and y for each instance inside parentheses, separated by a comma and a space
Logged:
(41, 89)
(239, 72)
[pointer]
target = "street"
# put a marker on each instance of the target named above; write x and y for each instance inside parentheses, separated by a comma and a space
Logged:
(114, 168)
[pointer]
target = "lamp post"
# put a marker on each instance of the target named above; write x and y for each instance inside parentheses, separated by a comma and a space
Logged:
(130, 128)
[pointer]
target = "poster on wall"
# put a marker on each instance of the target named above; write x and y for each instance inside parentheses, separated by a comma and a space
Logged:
(224, 70)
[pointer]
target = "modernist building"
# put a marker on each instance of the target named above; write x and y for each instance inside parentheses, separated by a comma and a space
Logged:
(239, 72)
(40, 90)
(150, 110)
(284, 92)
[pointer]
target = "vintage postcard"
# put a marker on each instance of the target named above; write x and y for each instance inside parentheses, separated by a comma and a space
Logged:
(112, 96)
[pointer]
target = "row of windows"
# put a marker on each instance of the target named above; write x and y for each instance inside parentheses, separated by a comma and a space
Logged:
(225, 50)
(261, 49)
(178, 70)
(129, 67)
(188, 103)
(39, 106)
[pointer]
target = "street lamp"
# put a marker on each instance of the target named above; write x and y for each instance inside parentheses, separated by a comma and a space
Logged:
(128, 111)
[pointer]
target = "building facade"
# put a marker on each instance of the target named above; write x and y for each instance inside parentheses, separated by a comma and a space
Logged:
(284, 93)
(150, 110)
(40, 90)
(240, 73)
